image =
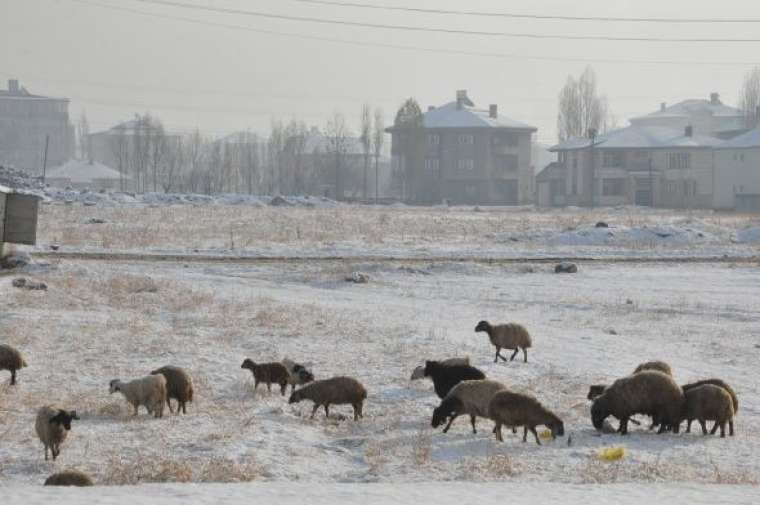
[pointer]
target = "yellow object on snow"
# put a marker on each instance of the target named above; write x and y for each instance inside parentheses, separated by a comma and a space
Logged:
(545, 434)
(611, 453)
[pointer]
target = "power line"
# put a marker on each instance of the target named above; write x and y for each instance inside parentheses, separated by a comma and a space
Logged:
(514, 15)
(403, 47)
(427, 29)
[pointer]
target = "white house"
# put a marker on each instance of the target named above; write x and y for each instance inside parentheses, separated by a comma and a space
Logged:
(737, 164)
(80, 174)
(706, 117)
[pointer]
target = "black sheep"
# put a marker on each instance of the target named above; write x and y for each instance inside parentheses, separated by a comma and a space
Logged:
(446, 377)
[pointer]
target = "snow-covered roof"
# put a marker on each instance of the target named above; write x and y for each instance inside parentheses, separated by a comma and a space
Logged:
(689, 108)
(745, 141)
(641, 137)
(83, 172)
(5, 189)
(466, 116)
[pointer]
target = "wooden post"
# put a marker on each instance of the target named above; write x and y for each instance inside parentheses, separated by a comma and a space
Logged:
(44, 159)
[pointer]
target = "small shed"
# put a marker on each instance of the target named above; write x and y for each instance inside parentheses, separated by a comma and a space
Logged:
(79, 174)
(18, 217)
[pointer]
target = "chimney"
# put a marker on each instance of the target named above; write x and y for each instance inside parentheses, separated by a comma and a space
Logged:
(461, 98)
(715, 99)
(13, 86)
(689, 131)
(663, 106)
(493, 111)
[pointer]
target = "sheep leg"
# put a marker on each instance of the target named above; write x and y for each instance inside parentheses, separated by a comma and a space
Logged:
(525, 353)
(56, 451)
(255, 385)
(46, 452)
(184, 408)
(472, 421)
(515, 354)
(13, 377)
(624, 426)
(361, 410)
(704, 426)
(451, 420)
(269, 387)
(688, 425)
(731, 427)
(357, 408)
(169, 404)
(497, 432)
(714, 428)
(535, 434)
(525, 434)
(314, 410)
(498, 355)
(327, 410)
(722, 429)
(283, 388)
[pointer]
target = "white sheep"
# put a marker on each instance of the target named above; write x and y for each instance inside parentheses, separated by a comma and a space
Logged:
(507, 336)
(468, 397)
(149, 391)
(52, 426)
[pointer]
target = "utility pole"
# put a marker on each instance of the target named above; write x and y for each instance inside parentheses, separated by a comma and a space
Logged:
(44, 158)
(592, 135)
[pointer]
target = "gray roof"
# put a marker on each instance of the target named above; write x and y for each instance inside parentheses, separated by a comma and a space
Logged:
(83, 172)
(641, 137)
(449, 116)
(689, 108)
(745, 141)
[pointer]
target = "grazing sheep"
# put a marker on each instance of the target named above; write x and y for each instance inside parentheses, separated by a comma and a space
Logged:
(268, 373)
(149, 391)
(709, 402)
(11, 360)
(446, 377)
(515, 409)
(468, 397)
(52, 426)
(507, 336)
(179, 385)
(659, 366)
(336, 391)
(298, 374)
(69, 478)
(649, 393)
(716, 382)
(419, 372)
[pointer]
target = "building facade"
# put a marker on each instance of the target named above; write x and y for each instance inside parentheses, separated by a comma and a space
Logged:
(471, 156)
(27, 123)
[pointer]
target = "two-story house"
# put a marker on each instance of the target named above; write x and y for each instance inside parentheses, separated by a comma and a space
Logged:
(30, 122)
(472, 156)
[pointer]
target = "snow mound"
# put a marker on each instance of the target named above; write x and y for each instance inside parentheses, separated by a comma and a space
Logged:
(654, 235)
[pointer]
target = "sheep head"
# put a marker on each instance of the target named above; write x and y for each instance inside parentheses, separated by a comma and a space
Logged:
(483, 326)
(248, 364)
(595, 391)
(295, 397)
(114, 386)
(599, 412)
(64, 418)
(557, 427)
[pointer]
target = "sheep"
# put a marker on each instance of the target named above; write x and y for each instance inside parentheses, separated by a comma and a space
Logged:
(508, 408)
(337, 391)
(446, 377)
(149, 391)
(269, 373)
(507, 336)
(11, 360)
(179, 385)
(298, 374)
(468, 397)
(52, 426)
(659, 366)
(719, 383)
(709, 402)
(650, 393)
(69, 478)
(419, 372)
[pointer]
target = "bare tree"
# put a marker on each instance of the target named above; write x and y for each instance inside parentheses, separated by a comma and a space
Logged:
(249, 161)
(276, 146)
(338, 138)
(194, 154)
(749, 97)
(295, 137)
(83, 138)
(582, 108)
(175, 160)
(365, 137)
(119, 145)
(378, 139)
(158, 147)
(410, 131)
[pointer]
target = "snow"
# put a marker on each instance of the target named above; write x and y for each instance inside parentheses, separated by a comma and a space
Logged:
(379, 494)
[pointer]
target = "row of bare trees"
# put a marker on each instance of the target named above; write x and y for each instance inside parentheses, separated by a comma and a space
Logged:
(294, 159)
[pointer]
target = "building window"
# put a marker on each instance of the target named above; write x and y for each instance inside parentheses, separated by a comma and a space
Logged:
(432, 165)
(466, 165)
(679, 161)
(434, 139)
(467, 139)
(612, 159)
(613, 187)
(690, 188)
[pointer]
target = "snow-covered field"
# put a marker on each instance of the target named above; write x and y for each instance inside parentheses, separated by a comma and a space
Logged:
(102, 320)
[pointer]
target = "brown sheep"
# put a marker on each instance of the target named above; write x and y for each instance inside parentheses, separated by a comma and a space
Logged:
(179, 385)
(11, 360)
(69, 478)
(337, 391)
(52, 426)
(516, 409)
(269, 373)
(649, 393)
(468, 397)
(659, 366)
(709, 402)
(716, 382)
(507, 336)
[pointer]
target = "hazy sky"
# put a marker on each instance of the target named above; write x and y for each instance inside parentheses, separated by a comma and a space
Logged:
(114, 63)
